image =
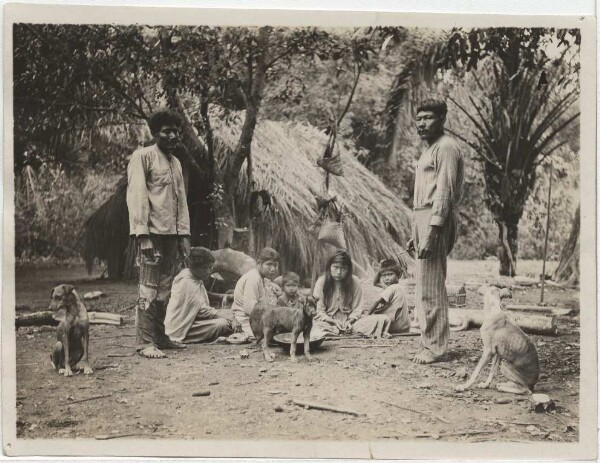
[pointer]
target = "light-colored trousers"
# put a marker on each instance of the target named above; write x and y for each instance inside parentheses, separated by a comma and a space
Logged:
(431, 299)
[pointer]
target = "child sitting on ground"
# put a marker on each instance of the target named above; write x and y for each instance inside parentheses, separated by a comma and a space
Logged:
(392, 301)
(290, 283)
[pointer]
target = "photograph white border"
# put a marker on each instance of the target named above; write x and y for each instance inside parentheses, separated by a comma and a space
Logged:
(587, 445)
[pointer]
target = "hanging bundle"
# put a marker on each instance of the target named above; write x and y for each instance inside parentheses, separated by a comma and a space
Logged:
(330, 223)
(331, 160)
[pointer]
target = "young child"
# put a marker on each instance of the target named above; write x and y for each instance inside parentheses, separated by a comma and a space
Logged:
(290, 282)
(392, 301)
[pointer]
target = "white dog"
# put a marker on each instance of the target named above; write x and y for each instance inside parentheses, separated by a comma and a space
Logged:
(504, 341)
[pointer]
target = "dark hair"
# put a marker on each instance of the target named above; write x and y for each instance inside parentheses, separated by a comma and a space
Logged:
(163, 117)
(341, 257)
(290, 277)
(438, 107)
(267, 254)
(201, 257)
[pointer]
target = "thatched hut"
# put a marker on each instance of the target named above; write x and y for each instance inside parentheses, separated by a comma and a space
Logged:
(284, 165)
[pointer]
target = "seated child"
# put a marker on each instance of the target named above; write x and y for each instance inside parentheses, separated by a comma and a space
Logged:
(392, 301)
(290, 282)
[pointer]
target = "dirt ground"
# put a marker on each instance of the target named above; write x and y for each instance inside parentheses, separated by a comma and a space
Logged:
(250, 399)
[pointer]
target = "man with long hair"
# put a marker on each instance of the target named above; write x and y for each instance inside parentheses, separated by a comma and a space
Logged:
(438, 188)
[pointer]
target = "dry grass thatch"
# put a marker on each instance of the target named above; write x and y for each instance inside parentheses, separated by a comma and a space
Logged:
(284, 159)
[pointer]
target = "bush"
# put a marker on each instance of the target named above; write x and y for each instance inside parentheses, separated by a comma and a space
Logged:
(51, 207)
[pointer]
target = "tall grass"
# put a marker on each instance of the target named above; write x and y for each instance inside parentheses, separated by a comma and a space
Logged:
(51, 206)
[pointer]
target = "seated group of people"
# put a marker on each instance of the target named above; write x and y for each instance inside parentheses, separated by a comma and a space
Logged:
(339, 296)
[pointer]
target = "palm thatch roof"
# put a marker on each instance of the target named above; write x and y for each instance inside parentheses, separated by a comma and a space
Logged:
(284, 159)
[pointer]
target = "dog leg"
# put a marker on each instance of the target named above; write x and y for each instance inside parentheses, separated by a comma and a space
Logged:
(295, 335)
(485, 358)
(87, 370)
(67, 371)
(56, 357)
(307, 353)
(268, 334)
(514, 384)
(493, 371)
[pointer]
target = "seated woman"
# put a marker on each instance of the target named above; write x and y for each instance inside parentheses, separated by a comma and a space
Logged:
(339, 298)
(255, 285)
(190, 318)
(391, 303)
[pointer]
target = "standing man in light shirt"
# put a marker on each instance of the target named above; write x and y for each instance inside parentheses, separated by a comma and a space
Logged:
(438, 188)
(159, 220)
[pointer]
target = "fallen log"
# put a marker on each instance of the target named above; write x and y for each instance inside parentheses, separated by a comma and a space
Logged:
(536, 308)
(53, 319)
(462, 319)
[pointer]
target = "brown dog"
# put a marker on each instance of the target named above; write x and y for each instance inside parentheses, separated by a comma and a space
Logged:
(267, 320)
(504, 341)
(73, 332)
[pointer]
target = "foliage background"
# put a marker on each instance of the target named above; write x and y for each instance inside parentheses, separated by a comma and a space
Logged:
(59, 185)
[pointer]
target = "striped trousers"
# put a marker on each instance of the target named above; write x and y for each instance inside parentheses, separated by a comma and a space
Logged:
(431, 299)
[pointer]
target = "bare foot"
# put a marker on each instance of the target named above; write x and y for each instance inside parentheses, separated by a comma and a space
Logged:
(151, 352)
(386, 335)
(425, 357)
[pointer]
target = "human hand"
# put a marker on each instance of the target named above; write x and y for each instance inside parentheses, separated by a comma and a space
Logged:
(146, 246)
(185, 245)
(339, 325)
(430, 243)
(236, 326)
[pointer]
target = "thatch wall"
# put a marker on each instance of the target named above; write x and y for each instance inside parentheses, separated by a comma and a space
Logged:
(284, 164)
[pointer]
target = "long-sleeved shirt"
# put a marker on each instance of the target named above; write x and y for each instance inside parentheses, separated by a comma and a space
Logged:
(248, 290)
(189, 302)
(439, 179)
(336, 308)
(156, 196)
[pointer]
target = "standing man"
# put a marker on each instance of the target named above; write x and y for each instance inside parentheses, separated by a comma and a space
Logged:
(160, 222)
(438, 187)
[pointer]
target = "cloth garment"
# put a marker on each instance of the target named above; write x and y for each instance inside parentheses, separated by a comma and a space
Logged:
(439, 179)
(336, 309)
(250, 288)
(151, 305)
(431, 299)
(395, 308)
(190, 318)
(296, 303)
(156, 196)
(372, 325)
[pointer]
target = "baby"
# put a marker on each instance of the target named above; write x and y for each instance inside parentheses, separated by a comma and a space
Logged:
(392, 301)
(290, 282)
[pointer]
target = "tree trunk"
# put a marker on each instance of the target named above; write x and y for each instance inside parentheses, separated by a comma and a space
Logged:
(507, 253)
(257, 76)
(568, 266)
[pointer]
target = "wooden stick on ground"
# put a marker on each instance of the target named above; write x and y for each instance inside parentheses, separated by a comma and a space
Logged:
(429, 415)
(365, 346)
(89, 398)
(324, 407)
